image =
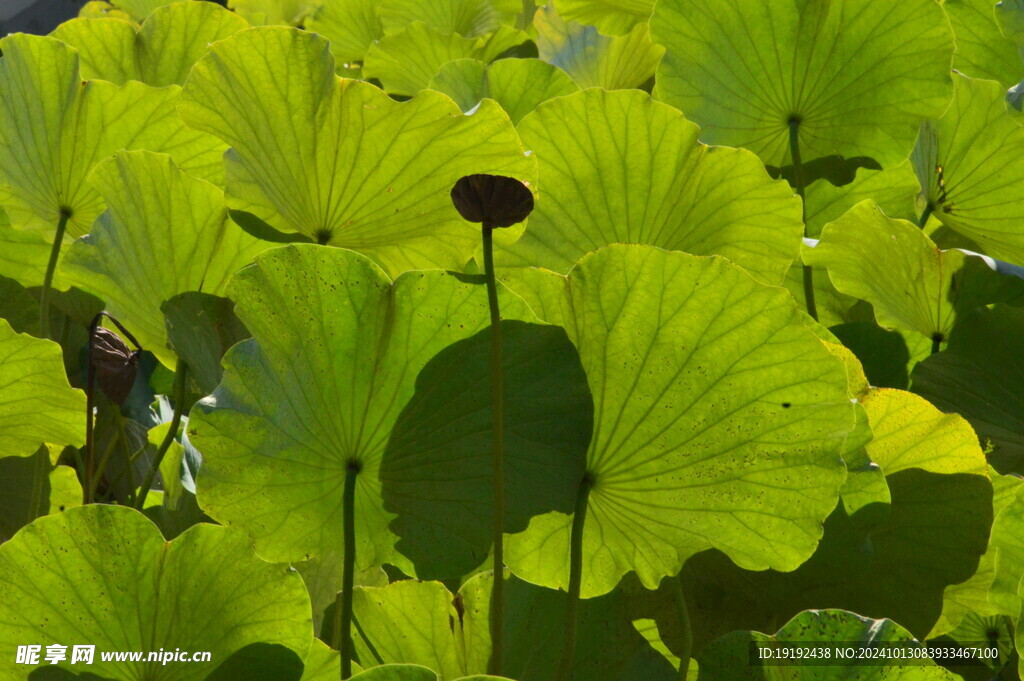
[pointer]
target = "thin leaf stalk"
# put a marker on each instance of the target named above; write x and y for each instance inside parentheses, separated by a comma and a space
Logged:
(798, 180)
(180, 371)
(39, 476)
(498, 443)
(51, 267)
(684, 623)
(342, 637)
(575, 578)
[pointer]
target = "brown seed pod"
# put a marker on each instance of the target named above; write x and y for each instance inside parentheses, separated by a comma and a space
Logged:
(494, 200)
(115, 365)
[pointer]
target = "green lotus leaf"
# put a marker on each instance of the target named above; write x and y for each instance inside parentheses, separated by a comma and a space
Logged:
(54, 128)
(163, 50)
(423, 623)
(404, 62)
(468, 18)
(352, 26)
(38, 404)
(23, 255)
(592, 59)
(970, 377)
(855, 76)
(1008, 544)
(596, 151)
(518, 85)
(338, 160)
(896, 561)
(992, 590)
(31, 486)
(324, 664)
(970, 164)
(912, 284)
(982, 50)
(128, 590)
(611, 18)
(727, 658)
(379, 387)
(200, 329)
(717, 412)
(164, 233)
(268, 12)
(893, 189)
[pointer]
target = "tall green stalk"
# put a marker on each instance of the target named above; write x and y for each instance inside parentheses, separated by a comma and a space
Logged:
(179, 408)
(343, 601)
(684, 622)
(51, 266)
(798, 180)
(575, 578)
(498, 441)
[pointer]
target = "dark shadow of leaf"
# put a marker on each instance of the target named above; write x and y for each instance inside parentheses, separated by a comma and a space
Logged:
(261, 230)
(835, 169)
(259, 661)
(200, 329)
(437, 471)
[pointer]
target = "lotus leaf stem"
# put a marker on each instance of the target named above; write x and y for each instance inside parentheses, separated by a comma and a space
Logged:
(684, 622)
(575, 578)
(498, 439)
(51, 266)
(798, 181)
(179, 407)
(923, 220)
(343, 603)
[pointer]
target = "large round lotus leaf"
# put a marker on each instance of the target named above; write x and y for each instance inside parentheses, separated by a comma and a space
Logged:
(338, 160)
(164, 233)
(54, 128)
(351, 26)
(469, 18)
(593, 59)
(973, 376)
(392, 378)
(404, 62)
(621, 168)
(728, 658)
(104, 576)
(423, 623)
(719, 419)
(982, 50)
(912, 284)
(970, 164)
(857, 75)
(896, 560)
(518, 85)
(37, 404)
(163, 50)
(609, 16)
